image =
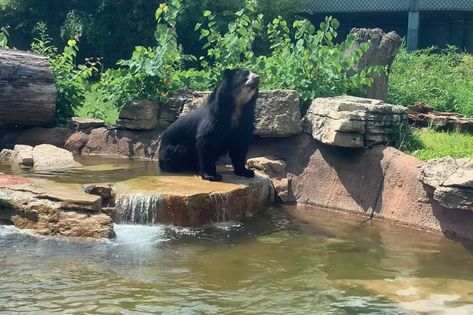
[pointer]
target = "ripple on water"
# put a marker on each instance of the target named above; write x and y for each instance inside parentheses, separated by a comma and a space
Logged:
(270, 264)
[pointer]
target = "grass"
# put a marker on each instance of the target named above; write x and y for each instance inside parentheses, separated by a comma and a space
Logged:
(443, 80)
(433, 144)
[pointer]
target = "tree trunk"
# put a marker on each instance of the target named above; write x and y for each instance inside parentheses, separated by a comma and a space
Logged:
(382, 51)
(27, 89)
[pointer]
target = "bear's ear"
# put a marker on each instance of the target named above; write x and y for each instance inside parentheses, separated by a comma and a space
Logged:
(227, 73)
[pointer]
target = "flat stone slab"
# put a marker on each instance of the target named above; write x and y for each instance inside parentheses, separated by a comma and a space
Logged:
(187, 200)
(353, 122)
(50, 208)
(86, 123)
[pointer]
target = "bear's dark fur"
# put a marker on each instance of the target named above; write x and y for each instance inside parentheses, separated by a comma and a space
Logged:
(224, 124)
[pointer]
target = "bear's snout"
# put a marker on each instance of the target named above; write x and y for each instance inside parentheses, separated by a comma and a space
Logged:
(253, 80)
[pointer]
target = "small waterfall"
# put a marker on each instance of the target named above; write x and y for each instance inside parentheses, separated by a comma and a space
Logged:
(220, 202)
(138, 208)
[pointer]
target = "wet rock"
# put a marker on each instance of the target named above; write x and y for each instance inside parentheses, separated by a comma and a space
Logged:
(86, 123)
(187, 200)
(277, 112)
(452, 181)
(49, 157)
(76, 142)
(354, 122)
(276, 170)
(50, 208)
(272, 167)
(105, 191)
(141, 115)
(126, 143)
(23, 155)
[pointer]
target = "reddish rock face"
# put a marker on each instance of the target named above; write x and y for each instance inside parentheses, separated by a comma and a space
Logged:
(380, 182)
(6, 180)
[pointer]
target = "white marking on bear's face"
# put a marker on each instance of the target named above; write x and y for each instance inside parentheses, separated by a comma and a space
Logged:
(248, 89)
(244, 95)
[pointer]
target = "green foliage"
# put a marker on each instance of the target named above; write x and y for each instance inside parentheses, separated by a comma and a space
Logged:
(439, 144)
(307, 60)
(95, 106)
(70, 79)
(233, 48)
(299, 56)
(149, 73)
(302, 58)
(3, 37)
(443, 80)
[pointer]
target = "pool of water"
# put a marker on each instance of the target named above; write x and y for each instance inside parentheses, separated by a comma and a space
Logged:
(271, 264)
(95, 169)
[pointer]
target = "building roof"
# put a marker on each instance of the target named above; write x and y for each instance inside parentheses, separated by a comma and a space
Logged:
(333, 6)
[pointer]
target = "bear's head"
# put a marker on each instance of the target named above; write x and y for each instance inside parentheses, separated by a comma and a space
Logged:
(243, 83)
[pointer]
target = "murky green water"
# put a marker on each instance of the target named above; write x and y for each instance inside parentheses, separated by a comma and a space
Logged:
(270, 264)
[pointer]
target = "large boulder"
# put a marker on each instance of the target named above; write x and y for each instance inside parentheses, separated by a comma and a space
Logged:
(354, 122)
(451, 180)
(140, 115)
(50, 208)
(49, 157)
(277, 112)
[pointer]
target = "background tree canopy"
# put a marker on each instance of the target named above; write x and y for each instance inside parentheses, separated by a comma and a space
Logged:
(112, 28)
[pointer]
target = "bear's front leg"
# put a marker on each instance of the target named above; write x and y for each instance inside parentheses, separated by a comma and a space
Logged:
(208, 167)
(238, 155)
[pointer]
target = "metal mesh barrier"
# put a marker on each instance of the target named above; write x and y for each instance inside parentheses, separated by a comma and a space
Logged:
(322, 6)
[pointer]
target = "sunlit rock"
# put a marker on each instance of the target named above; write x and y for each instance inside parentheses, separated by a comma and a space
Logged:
(50, 208)
(354, 122)
(187, 200)
(452, 181)
(49, 157)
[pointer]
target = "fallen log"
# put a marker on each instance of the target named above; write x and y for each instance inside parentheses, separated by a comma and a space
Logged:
(27, 89)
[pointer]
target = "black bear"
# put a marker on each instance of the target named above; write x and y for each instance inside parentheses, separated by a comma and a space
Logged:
(224, 124)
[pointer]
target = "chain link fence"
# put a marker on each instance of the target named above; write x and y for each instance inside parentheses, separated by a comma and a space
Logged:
(331, 6)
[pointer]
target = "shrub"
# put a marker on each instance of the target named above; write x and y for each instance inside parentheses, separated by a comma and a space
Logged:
(70, 79)
(302, 58)
(149, 72)
(443, 80)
